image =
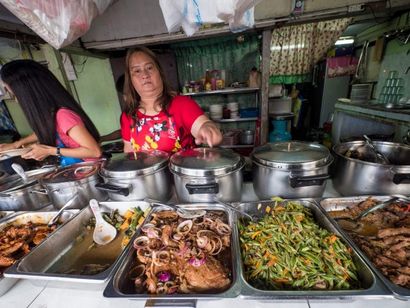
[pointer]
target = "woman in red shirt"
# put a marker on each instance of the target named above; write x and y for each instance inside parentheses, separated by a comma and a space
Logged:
(156, 118)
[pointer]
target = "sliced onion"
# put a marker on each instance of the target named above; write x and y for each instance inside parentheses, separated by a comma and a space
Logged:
(202, 241)
(218, 247)
(184, 227)
(197, 262)
(164, 276)
(153, 233)
(177, 236)
(161, 258)
(141, 242)
(223, 228)
(137, 272)
(162, 290)
(146, 227)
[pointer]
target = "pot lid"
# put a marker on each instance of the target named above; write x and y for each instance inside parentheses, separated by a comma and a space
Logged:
(292, 155)
(130, 164)
(205, 162)
(74, 173)
(15, 182)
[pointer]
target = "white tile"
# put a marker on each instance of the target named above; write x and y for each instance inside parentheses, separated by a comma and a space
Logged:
(20, 295)
(376, 303)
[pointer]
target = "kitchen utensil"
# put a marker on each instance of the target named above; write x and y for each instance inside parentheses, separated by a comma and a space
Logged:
(77, 179)
(230, 206)
(57, 216)
(104, 233)
(291, 169)
(354, 176)
(130, 177)
(182, 212)
(352, 224)
(202, 173)
(20, 171)
(380, 157)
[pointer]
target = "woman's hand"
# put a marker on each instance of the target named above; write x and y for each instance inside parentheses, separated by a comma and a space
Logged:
(39, 152)
(8, 146)
(208, 133)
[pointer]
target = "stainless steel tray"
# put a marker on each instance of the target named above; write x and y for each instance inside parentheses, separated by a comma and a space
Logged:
(371, 286)
(19, 218)
(5, 214)
(117, 288)
(334, 204)
(35, 264)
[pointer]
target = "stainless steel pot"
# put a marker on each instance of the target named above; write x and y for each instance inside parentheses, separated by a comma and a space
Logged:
(75, 180)
(19, 195)
(202, 174)
(353, 176)
(144, 175)
(291, 169)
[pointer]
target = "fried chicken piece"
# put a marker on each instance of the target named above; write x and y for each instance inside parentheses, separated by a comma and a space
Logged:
(6, 261)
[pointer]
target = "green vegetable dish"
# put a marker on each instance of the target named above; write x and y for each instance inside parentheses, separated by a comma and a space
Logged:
(287, 250)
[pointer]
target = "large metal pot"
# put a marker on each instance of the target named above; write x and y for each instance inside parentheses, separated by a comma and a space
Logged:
(19, 195)
(74, 180)
(202, 174)
(291, 169)
(354, 176)
(135, 177)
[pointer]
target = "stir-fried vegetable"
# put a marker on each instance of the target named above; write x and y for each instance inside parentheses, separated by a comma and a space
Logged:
(286, 249)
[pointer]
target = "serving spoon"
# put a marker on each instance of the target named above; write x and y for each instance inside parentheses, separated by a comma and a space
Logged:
(104, 233)
(54, 219)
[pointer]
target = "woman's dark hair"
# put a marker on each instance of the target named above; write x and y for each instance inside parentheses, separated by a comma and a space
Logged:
(41, 95)
(132, 98)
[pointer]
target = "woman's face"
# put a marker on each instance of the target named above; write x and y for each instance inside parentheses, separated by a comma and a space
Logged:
(145, 75)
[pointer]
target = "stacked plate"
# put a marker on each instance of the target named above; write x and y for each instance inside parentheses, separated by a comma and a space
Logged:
(216, 111)
(233, 107)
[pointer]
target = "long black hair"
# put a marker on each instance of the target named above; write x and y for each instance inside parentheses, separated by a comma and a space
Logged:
(132, 98)
(40, 96)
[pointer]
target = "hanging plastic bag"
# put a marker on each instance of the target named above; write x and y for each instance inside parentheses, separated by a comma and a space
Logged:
(191, 14)
(58, 22)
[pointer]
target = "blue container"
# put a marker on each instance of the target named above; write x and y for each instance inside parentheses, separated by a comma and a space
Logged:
(280, 131)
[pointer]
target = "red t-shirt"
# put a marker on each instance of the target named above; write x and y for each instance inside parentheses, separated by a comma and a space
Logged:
(162, 132)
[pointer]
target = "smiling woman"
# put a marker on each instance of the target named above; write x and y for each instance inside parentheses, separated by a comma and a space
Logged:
(155, 117)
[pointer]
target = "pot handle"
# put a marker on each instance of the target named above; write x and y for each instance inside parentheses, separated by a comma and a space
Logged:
(399, 178)
(301, 181)
(212, 188)
(125, 191)
(42, 191)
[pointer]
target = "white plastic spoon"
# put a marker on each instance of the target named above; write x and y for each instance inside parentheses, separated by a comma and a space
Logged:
(104, 233)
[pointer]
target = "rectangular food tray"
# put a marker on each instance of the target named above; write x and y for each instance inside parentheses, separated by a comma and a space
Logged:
(334, 204)
(371, 286)
(119, 287)
(34, 265)
(18, 218)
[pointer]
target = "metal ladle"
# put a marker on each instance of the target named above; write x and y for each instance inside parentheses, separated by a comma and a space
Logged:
(230, 206)
(55, 218)
(184, 213)
(380, 156)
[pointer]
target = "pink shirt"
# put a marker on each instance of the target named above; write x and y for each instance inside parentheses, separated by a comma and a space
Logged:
(66, 119)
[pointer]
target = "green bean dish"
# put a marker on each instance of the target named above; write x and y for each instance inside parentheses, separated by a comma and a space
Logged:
(287, 250)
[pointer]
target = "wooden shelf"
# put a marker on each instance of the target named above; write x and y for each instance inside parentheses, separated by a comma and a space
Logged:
(224, 91)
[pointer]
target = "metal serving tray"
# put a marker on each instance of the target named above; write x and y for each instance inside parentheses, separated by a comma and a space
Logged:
(371, 286)
(19, 218)
(118, 287)
(5, 214)
(35, 265)
(334, 204)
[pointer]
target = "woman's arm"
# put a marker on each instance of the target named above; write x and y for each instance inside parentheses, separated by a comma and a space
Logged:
(127, 146)
(88, 148)
(205, 131)
(19, 143)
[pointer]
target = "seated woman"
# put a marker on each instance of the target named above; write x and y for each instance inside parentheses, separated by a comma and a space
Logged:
(156, 118)
(60, 125)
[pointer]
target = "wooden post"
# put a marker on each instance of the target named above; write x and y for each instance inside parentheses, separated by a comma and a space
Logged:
(266, 41)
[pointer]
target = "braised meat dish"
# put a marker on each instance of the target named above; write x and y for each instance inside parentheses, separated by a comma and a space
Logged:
(17, 241)
(384, 236)
(183, 255)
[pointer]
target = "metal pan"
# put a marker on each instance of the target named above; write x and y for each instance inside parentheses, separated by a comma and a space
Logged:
(371, 287)
(334, 204)
(120, 286)
(36, 265)
(5, 214)
(20, 218)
